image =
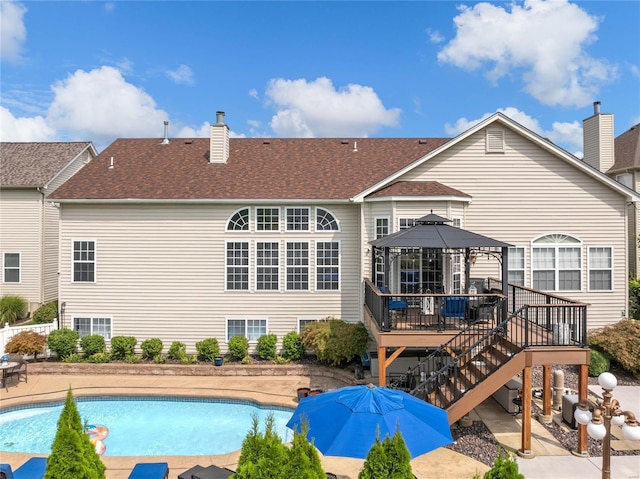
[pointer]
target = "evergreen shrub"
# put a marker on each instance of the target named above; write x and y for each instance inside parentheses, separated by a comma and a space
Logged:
(46, 313)
(63, 342)
(208, 349)
(292, 348)
(335, 341)
(177, 351)
(122, 347)
(239, 347)
(267, 346)
(151, 347)
(93, 344)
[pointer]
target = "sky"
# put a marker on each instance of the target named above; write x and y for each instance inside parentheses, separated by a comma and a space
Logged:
(96, 71)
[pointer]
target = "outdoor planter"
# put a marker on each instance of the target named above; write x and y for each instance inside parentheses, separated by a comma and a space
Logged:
(303, 392)
(218, 361)
(315, 392)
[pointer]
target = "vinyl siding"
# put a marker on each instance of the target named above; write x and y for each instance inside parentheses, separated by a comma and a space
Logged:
(20, 232)
(160, 272)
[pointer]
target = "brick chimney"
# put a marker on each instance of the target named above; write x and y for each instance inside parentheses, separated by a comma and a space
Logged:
(598, 139)
(219, 142)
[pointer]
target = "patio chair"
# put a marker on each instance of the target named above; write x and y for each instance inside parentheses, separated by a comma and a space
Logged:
(21, 370)
(395, 304)
(150, 470)
(33, 468)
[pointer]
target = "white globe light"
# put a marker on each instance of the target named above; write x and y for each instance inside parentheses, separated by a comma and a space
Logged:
(596, 431)
(582, 416)
(617, 420)
(631, 433)
(607, 381)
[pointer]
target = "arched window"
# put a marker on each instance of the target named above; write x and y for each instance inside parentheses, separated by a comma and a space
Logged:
(239, 221)
(556, 263)
(325, 221)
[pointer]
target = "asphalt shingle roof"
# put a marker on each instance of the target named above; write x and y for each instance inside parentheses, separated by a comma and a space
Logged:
(627, 150)
(276, 168)
(34, 164)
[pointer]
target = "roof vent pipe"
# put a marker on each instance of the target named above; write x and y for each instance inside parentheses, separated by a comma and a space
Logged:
(165, 141)
(219, 118)
(596, 107)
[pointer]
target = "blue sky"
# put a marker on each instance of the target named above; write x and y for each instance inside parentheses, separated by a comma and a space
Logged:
(88, 70)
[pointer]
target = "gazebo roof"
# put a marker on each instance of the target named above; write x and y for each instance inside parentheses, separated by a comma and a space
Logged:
(431, 232)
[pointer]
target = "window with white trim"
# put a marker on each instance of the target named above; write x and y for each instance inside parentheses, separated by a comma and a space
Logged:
(600, 268)
(406, 223)
(516, 265)
(326, 221)
(11, 268)
(327, 265)
(267, 266)
(268, 219)
(86, 326)
(556, 263)
(84, 261)
(237, 265)
(251, 329)
(239, 221)
(298, 266)
(303, 322)
(382, 230)
(298, 219)
(457, 260)
(626, 179)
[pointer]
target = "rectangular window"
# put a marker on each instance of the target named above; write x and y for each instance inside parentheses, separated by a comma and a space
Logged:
(88, 326)
(251, 329)
(303, 322)
(556, 268)
(569, 269)
(406, 223)
(544, 269)
(84, 261)
(626, 179)
(298, 266)
(297, 219)
(11, 268)
(328, 265)
(237, 265)
(382, 230)
(268, 219)
(516, 265)
(600, 269)
(267, 266)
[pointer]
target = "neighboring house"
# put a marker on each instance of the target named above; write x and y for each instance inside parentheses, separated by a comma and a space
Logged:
(185, 239)
(619, 159)
(29, 224)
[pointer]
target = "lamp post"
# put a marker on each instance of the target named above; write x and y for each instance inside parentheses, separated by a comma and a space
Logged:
(605, 413)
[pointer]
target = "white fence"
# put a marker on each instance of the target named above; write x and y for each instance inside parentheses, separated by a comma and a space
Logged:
(9, 332)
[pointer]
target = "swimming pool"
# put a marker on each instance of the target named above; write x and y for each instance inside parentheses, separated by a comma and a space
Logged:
(145, 425)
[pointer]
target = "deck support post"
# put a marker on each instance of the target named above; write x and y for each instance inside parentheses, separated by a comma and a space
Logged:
(525, 451)
(382, 366)
(583, 392)
(546, 392)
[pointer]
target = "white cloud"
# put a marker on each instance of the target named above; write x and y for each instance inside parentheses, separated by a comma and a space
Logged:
(24, 129)
(253, 93)
(434, 36)
(12, 31)
(543, 40)
(183, 75)
(317, 109)
(566, 135)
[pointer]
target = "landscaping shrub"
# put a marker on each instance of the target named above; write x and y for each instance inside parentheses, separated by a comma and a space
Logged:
(292, 348)
(123, 347)
(620, 342)
(159, 359)
(335, 341)
(504, 467)
(99, 358)
(12, 308)
(177, 350)
(263, 455)
(239, 347)
(267, 346)
(46, 313)
(26, 342)
(93, 344)
(63, 342)
(208, 349)
(598, 363)
(151, 347)
(389, 459)
(73, 358)
(634, 298)
(303, 457)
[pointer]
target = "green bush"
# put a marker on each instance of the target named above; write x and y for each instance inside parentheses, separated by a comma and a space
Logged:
(73, 358)
(292, 348)
(99, 358)
(46, 313)
(12, 308)
(93, 344)
(26, 342)
(122, 347)
(620, 342)
(151, 347)
(159, 359)
(208, 349)
(267, 346)
(303, 457)
(335, 341)
(504, 467)
(634, 298)
(63, 342)
(177, 350)
(263, 455)
(598, 363)
(389, 459)
(132, 359)
(239, 347)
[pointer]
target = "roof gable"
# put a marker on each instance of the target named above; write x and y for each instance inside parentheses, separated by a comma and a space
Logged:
(627, 150)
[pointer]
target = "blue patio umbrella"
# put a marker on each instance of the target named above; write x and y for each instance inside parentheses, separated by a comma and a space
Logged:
(345, 421)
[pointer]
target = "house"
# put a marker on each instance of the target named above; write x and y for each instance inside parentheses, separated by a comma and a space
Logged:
(29, 224)
(619, 160)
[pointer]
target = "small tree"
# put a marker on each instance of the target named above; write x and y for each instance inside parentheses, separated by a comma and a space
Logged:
(72, 454)
(303, 461)
(375, 465)
(389, 459)
(504, 467)
(263, 456)
(26, 342)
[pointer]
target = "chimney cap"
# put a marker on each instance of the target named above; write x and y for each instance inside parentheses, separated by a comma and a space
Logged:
(596, 107)
(219, 118)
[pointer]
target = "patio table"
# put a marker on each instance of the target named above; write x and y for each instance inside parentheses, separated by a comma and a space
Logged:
(6, 368)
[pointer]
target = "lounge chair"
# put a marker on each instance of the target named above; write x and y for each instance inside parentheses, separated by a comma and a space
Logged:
(34, 468)
(209, 472)
(150, 470)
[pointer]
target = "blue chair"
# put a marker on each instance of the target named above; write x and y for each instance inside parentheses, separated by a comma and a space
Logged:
(454, 307)
(150, 470)
(395, 304)
(34, 468)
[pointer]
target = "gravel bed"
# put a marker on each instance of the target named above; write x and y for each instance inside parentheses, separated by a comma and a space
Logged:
(478, 442)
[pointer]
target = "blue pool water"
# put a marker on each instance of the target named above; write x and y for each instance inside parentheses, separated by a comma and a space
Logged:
(145, 426)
